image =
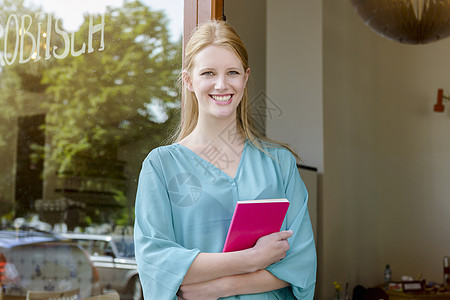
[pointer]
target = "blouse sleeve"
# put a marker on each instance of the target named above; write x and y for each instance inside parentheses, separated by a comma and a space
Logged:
(162, 263)
(299, 266)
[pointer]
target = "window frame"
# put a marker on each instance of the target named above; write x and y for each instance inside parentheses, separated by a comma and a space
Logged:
(198, 11)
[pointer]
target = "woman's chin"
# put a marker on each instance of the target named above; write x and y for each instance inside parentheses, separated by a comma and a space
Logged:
(224, 114)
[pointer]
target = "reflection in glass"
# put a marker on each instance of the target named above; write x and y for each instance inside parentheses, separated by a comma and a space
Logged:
(84, 96)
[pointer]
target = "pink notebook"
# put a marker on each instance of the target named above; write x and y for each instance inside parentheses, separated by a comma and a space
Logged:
(253, 219)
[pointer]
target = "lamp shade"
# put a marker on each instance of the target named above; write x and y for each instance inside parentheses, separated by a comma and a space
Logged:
(406, 21)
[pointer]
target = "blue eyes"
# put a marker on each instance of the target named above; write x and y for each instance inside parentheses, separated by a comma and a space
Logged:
(210, 73)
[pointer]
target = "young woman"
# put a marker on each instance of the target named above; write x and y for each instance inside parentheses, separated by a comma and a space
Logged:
(187, 191)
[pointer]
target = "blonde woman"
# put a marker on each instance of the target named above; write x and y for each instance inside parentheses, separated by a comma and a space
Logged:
(187, 191)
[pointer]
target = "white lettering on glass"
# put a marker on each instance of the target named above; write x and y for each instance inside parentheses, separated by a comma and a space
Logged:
(93, 29)
(65, 37)
(72, 50)
(16, 47)
(48, 37)
(26, 33)
(29, 33)
(37, 53)
(2, 61)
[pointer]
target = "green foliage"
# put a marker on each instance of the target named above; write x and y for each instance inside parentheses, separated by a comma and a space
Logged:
(99, 102)
(125, 216)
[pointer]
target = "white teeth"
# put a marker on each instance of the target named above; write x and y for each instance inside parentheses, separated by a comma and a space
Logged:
(221, 98)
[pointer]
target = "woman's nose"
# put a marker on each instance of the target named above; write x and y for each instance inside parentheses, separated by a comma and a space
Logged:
(220, 82)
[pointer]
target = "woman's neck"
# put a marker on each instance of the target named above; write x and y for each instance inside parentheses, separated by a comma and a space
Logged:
(215, 130)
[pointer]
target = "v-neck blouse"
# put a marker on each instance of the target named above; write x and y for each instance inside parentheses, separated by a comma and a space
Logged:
(221, 159)
(184, 206)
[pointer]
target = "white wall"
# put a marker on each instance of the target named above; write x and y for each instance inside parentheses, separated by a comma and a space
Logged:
(249, 19)
(387, 155)
(359, 107)
(294, 76)
(284, 41)
(295, 88)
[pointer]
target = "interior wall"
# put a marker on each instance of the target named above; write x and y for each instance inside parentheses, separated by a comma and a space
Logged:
(387, 162)
(383, 151)
(294, 89)
(248, 18)
(284, 42)
(294, 77)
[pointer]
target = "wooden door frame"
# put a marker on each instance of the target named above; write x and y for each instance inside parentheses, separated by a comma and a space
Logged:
(198, 11)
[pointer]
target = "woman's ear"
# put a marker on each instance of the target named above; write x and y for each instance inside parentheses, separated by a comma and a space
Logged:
(247, 74)
(187, 81)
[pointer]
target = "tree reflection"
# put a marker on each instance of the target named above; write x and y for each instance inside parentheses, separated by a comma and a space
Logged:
(103, 112)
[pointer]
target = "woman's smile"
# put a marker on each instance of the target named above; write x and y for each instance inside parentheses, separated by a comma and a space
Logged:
(222, 99)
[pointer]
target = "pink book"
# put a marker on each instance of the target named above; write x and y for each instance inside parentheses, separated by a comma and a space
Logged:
(253, 219)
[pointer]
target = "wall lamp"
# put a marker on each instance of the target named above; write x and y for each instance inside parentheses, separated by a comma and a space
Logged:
(439, 106)
(406, 21)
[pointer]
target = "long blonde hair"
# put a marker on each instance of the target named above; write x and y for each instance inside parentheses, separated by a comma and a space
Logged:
(219, 33)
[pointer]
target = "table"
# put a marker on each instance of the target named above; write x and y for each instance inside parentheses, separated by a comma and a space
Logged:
(393, 295)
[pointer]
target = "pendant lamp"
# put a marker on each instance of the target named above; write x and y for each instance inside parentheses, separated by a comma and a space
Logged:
(406, 21)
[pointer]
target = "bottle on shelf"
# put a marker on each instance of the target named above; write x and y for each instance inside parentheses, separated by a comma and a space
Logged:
(446, 272)
(387, 274)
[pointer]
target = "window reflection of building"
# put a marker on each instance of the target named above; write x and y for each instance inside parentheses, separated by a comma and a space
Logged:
(105, 96)
(71, 196)
(28, 172)
(94, 184)
(78, 192)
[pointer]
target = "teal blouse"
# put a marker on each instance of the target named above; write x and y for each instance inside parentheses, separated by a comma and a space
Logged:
(184, 206)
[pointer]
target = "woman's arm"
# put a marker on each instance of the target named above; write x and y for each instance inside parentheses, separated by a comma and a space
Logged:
(268, 250)
(251, 283)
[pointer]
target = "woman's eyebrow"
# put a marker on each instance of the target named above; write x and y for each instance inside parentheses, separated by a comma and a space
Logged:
(202, 69)
(235, 68)
(205, 69)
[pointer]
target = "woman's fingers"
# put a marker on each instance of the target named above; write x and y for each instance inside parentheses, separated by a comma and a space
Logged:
(273, 247)
(285, 234)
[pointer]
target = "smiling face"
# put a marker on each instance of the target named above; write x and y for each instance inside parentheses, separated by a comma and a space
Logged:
(218, 81)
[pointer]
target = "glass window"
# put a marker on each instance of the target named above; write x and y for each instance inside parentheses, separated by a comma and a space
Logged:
(87, 89)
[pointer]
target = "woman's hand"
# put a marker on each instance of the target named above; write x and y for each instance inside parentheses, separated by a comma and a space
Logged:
(208, 266)
(250, 283)
(272, 248)
(208, 290)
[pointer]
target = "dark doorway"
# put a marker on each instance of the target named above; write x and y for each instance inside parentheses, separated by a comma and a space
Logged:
(29, 182)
